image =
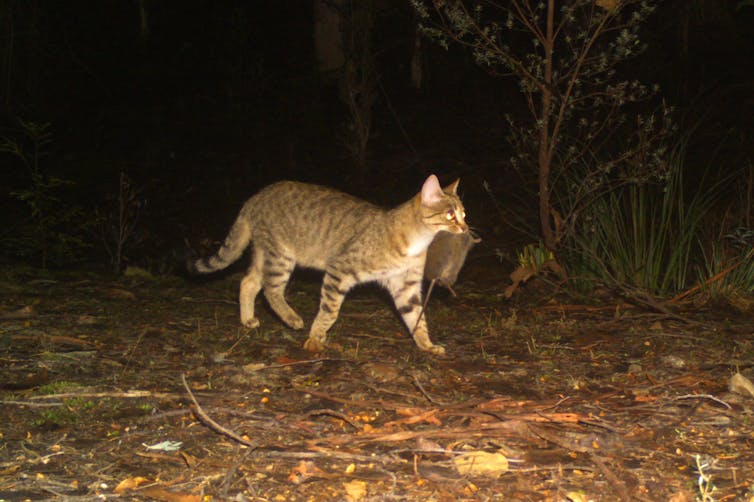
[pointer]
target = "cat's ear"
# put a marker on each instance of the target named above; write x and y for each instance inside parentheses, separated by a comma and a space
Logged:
(452, 189)
(431, 191)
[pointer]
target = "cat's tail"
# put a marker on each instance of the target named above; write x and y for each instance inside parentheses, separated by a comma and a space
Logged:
(233, 247)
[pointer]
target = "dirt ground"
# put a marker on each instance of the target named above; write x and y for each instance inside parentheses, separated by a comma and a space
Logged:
(537, 399)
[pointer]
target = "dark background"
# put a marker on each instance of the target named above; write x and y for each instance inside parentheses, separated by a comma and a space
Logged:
(224, 97)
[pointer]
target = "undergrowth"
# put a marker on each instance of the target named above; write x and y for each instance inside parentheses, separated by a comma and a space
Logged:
(647, 239)
(52, 230)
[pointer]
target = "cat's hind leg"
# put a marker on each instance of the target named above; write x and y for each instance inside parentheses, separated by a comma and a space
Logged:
(250, 286)
(407, 294)
(334, 288)
(277, 271)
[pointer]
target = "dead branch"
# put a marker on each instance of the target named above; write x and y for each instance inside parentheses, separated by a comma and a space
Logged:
(618, 484)
(31, 404)
(703, 396)
(131, 394)
(717, 277)
(298, 363)
(204, 418)
(333, 413)
(429, 398)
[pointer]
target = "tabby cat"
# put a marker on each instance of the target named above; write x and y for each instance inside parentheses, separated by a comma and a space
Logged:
(351, 240)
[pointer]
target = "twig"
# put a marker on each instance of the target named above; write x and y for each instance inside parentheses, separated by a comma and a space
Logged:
(240, 459)
(618, 484)
(703, 396)
(333, 413)
(582, 308)
(718, 276)
(201, 415)
(31, 403)
(208, 300)
(297, 363)
(662, 308)
(382, 459)
(131, 394)
(425, 393)
(132, 352)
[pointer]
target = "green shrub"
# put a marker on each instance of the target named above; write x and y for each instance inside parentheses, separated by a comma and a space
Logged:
(644, 238)
(53, 230)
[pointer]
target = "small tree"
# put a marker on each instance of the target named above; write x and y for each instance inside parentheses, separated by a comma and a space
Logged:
(359, 79)
(54, 229)
(565, 55)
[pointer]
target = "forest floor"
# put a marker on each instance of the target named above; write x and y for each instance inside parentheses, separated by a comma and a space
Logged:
(537, 398)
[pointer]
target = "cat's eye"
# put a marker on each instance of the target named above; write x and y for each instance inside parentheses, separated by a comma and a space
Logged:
(450, 215)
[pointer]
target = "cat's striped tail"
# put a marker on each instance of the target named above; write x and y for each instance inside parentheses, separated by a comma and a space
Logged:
(233, 247)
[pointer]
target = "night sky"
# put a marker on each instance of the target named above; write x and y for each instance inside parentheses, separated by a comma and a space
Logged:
(210, 100)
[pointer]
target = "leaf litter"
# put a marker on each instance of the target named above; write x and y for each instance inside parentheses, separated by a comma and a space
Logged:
(535, 401)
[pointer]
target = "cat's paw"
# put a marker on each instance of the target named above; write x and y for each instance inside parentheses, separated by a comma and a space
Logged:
(437, 350)
(295, 322)
(313, 345)
(250, 323)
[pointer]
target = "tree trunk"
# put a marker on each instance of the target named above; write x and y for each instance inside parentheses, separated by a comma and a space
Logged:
(328, 42)
(417, 72)
(545, 140)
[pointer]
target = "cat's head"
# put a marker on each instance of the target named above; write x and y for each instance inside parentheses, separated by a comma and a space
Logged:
(441, 208)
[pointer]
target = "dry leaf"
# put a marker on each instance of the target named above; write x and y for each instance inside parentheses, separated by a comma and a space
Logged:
(682, 496)
(608, 5)
(481, 463)
(424, 444)
(741, 385)
(304, 471)
(577, 496)
(427, 416)
(252, 367)
(129, 484)
(521, 274)
(355, 490)
(162, 494)
(554, 267)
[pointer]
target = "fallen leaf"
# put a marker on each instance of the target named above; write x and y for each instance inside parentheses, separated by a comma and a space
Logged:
(427, 416)
(481, 463)
(682, 496)
(164, 495)
(424, 444)
(521, 274)
(577, 496)
(252, 367)
(355, 490)
(304, 471)
(608, 5)
(129, 484)
(164, 446)
(741, 385)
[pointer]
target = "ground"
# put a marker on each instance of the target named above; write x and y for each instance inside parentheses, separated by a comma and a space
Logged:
(537, 398)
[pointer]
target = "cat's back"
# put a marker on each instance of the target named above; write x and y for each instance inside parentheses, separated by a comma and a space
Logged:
(303, 215)
(297, 199)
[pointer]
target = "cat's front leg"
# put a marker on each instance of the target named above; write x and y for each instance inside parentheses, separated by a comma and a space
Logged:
(335, 285)
(406, 292)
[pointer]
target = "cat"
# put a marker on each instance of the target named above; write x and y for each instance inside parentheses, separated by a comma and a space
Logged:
(353, 241)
